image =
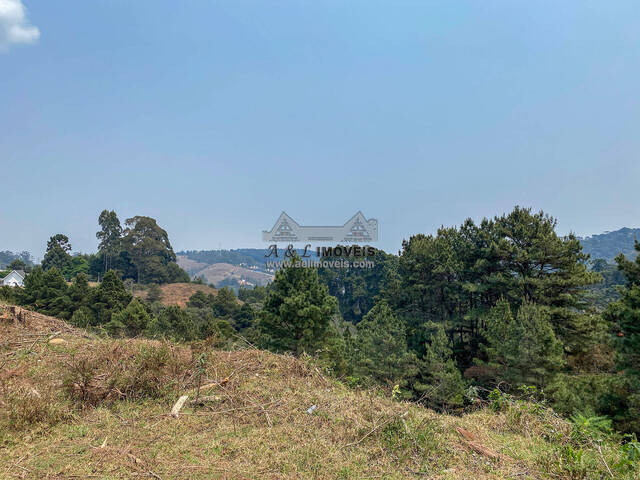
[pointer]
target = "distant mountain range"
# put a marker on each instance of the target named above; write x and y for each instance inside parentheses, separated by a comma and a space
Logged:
(609, 244)
(235, 267)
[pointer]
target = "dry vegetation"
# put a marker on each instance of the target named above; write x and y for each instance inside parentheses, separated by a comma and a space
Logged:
(178, 293)
(76, 406)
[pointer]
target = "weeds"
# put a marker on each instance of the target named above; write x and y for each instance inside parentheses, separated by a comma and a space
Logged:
(120, 371)
(25, 407)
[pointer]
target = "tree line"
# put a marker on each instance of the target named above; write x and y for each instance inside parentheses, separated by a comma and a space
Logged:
(139, 251)
(505, 303)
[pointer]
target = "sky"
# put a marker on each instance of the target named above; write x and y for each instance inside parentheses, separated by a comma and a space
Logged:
(215, 116)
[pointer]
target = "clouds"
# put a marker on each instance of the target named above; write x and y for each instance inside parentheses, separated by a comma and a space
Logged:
(14, 26)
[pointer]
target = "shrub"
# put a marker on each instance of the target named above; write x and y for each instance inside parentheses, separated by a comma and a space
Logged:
(117, 371)
(25, 406)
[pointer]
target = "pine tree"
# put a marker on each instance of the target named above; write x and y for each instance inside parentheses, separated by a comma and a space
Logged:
(154, 293)
(79, 291)
(47, 293)
(441, 384)
(624, 318)
(457, 276)
(57, 254)
(173, 322)
(109, 297)
(131, 321)
(380, 348)
(524, 350)
(296, 313)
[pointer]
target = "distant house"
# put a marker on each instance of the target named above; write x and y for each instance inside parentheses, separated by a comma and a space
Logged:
(14, 279)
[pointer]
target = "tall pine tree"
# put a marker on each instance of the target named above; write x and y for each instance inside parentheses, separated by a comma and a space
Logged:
(380, 348)
(296, 314)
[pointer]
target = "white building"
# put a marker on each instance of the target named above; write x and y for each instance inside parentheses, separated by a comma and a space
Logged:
(14, 279)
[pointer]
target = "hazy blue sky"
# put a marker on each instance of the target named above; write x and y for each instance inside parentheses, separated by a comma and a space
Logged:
(214, 116)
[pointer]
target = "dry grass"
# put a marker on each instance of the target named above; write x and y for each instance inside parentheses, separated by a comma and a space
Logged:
(103, 412)
(178, 293)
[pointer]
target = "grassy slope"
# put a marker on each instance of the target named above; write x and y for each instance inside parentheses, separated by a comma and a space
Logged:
(178, 293)
(98, 408)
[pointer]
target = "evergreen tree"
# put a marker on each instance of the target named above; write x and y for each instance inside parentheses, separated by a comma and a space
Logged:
(201, 300)
(109, 297)
(296, 313)
(244, 317)
(441, 385)
(225, 303)
(79, 292)
(624, 318)
(57, 254)
(380, 348)
(154, 293)
(47, 293)
(523, 350)
(174, 322)
(82, 317)
(131, 321)
(32, 288)
(455, 277)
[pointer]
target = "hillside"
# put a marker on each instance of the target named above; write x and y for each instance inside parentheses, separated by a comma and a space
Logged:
(247, 257)
(609, 244)
(221, 274)
(178, 293)
(77, 406)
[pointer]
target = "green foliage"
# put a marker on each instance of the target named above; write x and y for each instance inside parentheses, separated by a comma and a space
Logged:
(131, 321)
(57, 254)
(624, 319)
(457, 276)
(590, 427)
(602, 393)
(47, 292)
(524, 350)
(141, 251)
(82, 317)
(225, 304)
(244, 317)
(356, 289)
(154, 294)
(110, 238)
(9, 294)
(257, 294)
(79, 265)
(174, 322)
(17, 264)
(297, 310)
(110, 297)
(150, 250)
(379, 350)
(441, 384)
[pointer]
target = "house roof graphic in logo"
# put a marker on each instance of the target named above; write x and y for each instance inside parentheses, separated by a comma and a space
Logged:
(357, 229)
(284, 232)
(358, 233)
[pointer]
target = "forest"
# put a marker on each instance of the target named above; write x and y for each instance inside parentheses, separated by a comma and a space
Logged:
(504, 308)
